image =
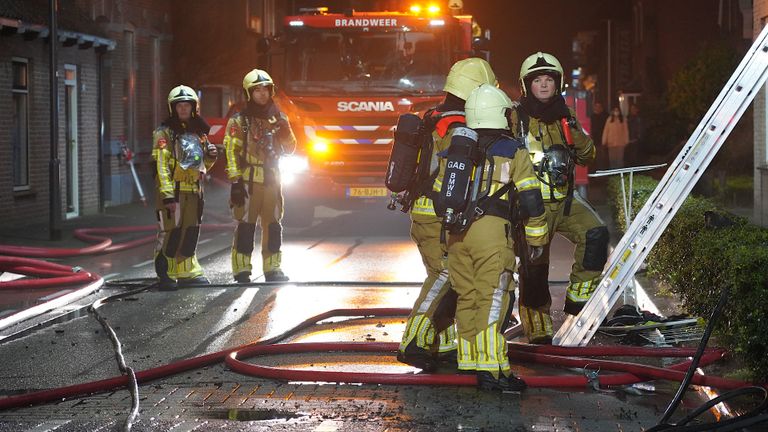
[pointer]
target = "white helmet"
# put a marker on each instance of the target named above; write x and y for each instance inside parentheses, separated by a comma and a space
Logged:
(467, 75)
(182, 93)
(541, 63)
(254, 78)
(487, 108)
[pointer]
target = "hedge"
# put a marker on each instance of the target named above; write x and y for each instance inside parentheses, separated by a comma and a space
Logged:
(703, 250)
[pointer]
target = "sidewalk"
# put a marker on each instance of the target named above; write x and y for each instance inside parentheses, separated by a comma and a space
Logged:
(132, 214)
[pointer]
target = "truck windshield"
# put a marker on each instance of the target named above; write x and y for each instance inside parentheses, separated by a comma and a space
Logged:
(395, 62)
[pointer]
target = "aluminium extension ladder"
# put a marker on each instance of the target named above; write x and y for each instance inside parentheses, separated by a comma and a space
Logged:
(669, 195)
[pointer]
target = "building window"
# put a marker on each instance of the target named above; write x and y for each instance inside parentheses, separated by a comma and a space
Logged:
(259, 16)
(20, 123)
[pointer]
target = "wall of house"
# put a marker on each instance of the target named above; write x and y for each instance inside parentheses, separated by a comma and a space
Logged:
(760, 15)
(30, 206)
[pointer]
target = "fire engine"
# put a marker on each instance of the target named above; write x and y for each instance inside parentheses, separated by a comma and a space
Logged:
(344, 78)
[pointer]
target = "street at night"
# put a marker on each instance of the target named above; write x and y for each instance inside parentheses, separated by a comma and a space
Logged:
(383, 215)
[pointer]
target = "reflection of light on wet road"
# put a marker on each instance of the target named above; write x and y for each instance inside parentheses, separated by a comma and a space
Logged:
(293, 304)
(353, 259)
(234, 313)
(407, 264)
(392, 366)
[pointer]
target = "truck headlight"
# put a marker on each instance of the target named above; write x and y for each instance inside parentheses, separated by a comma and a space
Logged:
(292, 166)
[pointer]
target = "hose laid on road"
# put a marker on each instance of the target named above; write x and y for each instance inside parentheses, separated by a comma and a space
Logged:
(636, 372)
(118, 347)
(95, 235)
(754, 416)
(232, 357)
(55, 274)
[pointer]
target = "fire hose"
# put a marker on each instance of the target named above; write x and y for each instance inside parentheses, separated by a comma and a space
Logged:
(54, 274)
(632, 373)
(95, 235)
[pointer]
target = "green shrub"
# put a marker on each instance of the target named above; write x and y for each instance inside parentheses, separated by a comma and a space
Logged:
(698, 261)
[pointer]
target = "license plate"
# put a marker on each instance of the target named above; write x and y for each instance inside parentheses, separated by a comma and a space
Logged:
(367, 192)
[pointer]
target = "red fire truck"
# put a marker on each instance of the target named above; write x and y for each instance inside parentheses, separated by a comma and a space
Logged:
(343, 80)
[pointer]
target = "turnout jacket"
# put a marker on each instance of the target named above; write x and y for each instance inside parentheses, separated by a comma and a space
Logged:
(180, 160)
(511, 163)
(253, 144)
(539, 136)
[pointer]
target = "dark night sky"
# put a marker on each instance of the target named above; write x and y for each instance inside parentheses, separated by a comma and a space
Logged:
(521, 27)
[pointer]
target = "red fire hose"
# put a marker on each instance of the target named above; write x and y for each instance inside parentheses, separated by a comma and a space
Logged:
(54, 274)
(94, 235)
(633, 372)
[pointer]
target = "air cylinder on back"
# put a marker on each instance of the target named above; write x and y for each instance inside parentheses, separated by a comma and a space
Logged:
(404, 156)
(454, 193)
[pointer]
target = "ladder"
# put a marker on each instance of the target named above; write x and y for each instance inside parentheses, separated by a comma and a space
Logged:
(630, 296)
(666, 199)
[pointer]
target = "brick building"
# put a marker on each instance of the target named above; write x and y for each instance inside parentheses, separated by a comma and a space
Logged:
(114, 68)
(25, 109)
(137, 74)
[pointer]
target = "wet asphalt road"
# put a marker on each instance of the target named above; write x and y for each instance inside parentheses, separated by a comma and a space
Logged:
(368, 245)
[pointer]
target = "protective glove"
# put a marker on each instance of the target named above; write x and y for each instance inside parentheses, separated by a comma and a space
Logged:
(170, 205)
(212, 151)
(237, 194)
(535, 252)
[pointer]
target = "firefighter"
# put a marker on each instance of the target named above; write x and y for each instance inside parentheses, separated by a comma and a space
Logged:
(537, 120)
(254, 141)
(429, 333)
(481, 259)
(182, 154)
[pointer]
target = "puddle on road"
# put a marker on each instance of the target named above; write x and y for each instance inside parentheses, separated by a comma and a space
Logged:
(257, 415)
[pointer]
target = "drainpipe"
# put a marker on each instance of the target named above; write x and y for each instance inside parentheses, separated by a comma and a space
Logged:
(54, 192)
(100, 111)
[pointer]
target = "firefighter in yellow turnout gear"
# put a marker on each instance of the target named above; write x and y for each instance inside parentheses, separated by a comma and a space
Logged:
(182, 154)
(481, 259)
(430, 334)
(255, 139)
(537, 120)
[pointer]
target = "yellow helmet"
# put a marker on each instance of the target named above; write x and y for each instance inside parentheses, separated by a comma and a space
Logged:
(540, 64)
(487, 108)
(257, 77)
(467, 75)
(182, 93)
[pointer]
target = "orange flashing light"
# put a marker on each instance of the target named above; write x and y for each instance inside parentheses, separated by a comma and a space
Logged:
(319, 148)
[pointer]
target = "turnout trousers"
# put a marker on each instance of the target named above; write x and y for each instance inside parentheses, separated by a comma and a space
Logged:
(264, 204)
(481, 262)
(582, 227)
(177, 236)
(431, 322)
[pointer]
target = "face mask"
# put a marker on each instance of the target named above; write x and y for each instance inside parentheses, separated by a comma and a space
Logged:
(191, 151)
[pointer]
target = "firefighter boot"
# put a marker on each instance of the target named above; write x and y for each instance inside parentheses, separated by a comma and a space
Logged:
(276, 275)
(243, 277)
(417, 357)
(511, 383)
(272, 271)
(164, 281)
(194, 281)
